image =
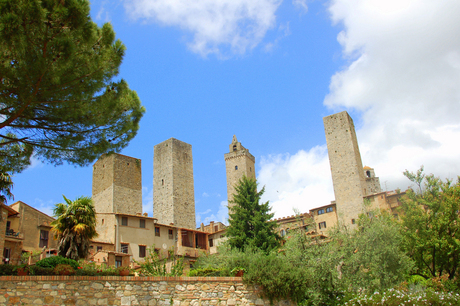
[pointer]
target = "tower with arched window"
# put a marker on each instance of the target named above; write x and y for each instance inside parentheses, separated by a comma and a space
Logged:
(238, 162)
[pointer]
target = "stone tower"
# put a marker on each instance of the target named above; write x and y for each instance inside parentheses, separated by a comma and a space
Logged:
(346, 166)
(372, 182)
(117, 184)
(238, 162)
(173, 189)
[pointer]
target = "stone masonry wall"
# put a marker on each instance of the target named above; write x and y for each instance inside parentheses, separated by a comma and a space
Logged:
(238, 162)
(117, 184)
(174, 194)
(346, 166)
(110, 290)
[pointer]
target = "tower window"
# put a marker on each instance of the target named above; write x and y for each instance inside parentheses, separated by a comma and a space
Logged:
(250, 169)
(368, 173)
(236, 167)
(162, 182)
(234, 148)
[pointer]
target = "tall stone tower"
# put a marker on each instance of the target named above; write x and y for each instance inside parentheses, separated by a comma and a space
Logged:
(346, 166)
(173, 189)
(117, 184)
(238, 162)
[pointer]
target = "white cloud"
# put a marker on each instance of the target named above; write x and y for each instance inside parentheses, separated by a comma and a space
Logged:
(45, 207)
(301, 181)
(218, 27)
(403, 77)
(301, 4)
(221, 216)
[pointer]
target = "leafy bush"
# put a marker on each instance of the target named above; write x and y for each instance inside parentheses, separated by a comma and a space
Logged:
(64, 269)
(37, 270)
(53, 261)
(7, 270)
(205, 272)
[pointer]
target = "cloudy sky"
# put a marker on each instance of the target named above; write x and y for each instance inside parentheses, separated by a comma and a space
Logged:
(269, 71)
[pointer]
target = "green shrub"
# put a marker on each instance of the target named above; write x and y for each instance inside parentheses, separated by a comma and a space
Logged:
(53, 261)
(205, 272)
(36, 270)
(64, 269)
(8, 270)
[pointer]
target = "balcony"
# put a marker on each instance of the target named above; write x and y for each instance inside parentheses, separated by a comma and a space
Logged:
(11, 235)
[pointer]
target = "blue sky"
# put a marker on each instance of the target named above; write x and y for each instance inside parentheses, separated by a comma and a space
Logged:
(268, 71)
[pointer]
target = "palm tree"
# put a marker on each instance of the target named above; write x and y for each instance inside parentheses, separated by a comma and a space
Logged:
(74, 227)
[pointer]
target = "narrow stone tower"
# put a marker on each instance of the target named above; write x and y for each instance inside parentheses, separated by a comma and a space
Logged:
(117, 184)
(346, 166)
(238, 162)
(173, 189)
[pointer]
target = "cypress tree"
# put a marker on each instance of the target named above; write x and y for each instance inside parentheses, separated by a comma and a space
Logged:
(250, 224)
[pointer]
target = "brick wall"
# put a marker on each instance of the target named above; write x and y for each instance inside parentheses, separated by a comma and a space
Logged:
(110, 290)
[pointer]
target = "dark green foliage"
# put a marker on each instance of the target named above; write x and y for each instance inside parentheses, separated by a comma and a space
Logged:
(250, 224)
(205, 272)
(37, 270)
(74, 227)
(53, 261)
(8, 270)
(58, 96)
(431, 224)
(277, 275)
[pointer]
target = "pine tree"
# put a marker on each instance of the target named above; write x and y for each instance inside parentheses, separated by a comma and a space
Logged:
(57, 98)
(250, 224)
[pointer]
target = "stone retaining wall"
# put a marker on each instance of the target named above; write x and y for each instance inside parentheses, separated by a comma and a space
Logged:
(113, 290)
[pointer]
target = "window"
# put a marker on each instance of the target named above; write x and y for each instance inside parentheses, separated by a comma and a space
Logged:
(8, 225)
(157, 231)
(124, 248)
(102, 221)
(118, 261)
(142, 223)
(322, 225)
(250, 169)
(211, 244)
(99, 248)
(124, 221)
(321, 211)
(282, 233)
(43, 239)
(170, 234)
(368, 173)
(236, 167)
(234, 148)
(353, 221)
(216, 228)
(162, 182)
(329, 209)
(142, 251)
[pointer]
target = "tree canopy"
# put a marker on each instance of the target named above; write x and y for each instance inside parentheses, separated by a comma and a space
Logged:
(74, 227)
(431, 224)
(58, 99)
(249, 222)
